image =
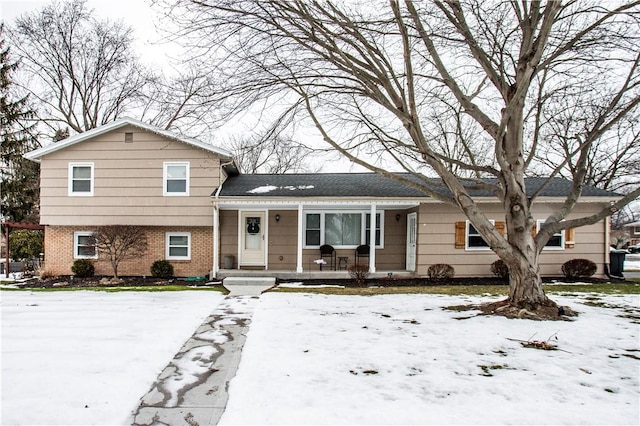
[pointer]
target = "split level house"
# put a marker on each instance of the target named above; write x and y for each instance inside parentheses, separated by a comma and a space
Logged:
(206, 218)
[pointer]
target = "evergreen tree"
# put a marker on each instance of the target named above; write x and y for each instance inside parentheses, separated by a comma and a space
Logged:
(20, 177)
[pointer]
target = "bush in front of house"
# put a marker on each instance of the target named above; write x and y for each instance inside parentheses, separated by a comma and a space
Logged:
(359, 273)
(440, 271)
(579, 268)
(500, 269)
(83, 268)
(162, 269)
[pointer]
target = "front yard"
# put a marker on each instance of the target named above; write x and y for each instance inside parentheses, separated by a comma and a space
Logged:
(86, 357)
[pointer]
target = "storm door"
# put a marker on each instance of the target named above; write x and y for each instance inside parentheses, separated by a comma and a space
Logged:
(252, 236)
(412, 227)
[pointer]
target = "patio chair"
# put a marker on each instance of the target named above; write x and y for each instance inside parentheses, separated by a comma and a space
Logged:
(328, 252)
(362, 251)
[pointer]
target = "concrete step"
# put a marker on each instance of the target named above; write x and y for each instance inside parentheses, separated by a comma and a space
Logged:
(270, 281)
(248, 286)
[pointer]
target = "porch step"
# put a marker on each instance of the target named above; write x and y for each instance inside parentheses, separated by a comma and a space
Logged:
(248, 286)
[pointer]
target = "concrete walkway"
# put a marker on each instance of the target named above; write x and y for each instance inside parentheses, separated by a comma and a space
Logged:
(193, 388)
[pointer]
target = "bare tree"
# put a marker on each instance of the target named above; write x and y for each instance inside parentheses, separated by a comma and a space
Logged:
(119, 242)
(81, 71)
(272, 155)
(184, 103)
(371, 76)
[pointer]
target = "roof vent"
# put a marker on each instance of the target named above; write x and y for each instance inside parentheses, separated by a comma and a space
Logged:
(128, 137)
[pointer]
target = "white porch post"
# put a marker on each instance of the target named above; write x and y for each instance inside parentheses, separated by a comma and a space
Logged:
(216, 242)
(372, 239)
(300, 241)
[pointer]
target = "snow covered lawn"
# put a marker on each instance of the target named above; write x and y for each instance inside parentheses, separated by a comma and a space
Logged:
(81, 357)
(402, 359)
(87, 358)
(632, 262)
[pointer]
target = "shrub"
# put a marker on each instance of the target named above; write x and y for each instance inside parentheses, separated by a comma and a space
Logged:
(83, 268)
(45, 275)
(440, 271)
(359, 273)
(500, 269)
(162, 269)
(26, 244)
(576, 268)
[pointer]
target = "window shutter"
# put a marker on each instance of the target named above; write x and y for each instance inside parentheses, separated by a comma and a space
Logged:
(461, 229)
(500, 226)
(570, 238)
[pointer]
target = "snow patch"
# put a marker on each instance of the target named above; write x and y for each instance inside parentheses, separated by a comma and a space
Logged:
(268, 188)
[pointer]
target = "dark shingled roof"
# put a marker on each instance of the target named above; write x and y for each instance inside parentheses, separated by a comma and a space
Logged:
(366, 185)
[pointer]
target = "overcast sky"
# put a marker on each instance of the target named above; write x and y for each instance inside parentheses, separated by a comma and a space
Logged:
(135, 13)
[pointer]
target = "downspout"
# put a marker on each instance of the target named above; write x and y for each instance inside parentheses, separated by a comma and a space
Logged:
(607, 247)
(216, 234)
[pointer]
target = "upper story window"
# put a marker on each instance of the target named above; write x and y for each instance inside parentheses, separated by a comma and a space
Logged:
(83, 246)
(556, 241)
(636, 230)
(341, 229)
(176, 179)
(474, 239)
(81, 179)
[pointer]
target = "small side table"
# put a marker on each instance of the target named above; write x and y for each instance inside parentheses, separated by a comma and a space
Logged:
(343, 262)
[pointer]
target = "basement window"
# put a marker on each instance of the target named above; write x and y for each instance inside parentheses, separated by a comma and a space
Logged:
(83, 246)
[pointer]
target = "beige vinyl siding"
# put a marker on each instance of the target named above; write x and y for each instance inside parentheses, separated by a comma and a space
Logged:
(283, 240)
(229, 236)
(128, 182)
(436, 241)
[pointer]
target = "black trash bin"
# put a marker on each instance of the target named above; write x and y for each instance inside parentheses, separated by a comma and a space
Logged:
(616, 259)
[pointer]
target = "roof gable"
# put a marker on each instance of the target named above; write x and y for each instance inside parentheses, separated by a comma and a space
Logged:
(37, 154)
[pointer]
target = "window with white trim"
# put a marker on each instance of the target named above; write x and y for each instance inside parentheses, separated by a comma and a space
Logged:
(176, 179)
(556, 242)
(312, 229)
(81, 179)
(84, 246)
(178, 246)
(475, 241)
(378, 229)
(341, 229)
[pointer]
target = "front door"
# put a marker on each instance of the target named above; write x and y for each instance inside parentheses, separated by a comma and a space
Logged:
(412, 227)
(252, 236)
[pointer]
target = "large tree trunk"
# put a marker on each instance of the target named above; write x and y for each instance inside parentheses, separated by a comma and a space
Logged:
(525, 285)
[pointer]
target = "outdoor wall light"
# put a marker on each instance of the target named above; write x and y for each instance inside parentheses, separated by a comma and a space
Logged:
(277, 218)
(398, 217)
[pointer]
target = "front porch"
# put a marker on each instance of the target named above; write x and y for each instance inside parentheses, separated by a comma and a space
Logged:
(307, 275)
(285, 240)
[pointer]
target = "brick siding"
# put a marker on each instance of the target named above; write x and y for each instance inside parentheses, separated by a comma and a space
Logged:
(58, 241)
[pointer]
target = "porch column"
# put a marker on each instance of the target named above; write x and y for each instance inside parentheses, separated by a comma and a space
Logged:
(300, 241)
(216, 242)
(372, 239)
